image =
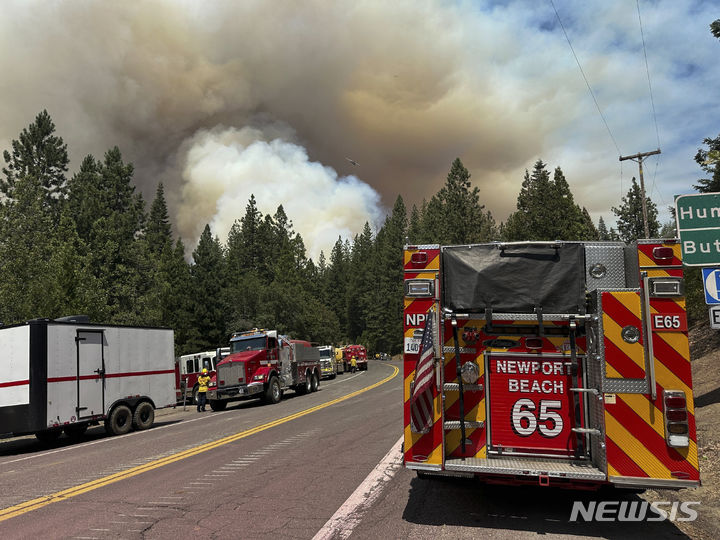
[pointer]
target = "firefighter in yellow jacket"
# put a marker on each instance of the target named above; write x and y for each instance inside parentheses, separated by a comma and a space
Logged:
(203, 381)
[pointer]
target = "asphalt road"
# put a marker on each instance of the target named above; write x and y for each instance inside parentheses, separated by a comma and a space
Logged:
(318, 465)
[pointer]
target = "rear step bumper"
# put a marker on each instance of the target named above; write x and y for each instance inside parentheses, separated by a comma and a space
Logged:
(527, 467)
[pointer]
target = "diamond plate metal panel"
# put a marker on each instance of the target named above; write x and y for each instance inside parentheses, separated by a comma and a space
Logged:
(626, 386)
(612, 259)
(527, 466)
(594, 370)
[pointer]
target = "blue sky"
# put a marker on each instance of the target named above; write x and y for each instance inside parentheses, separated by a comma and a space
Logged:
(223, 99)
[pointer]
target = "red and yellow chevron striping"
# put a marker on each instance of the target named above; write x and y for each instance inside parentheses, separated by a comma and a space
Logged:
(634, 423)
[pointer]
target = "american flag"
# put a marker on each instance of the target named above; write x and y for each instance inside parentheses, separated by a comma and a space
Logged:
(421, 400)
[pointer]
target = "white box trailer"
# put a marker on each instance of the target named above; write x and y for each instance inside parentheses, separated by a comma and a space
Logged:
(68, 374)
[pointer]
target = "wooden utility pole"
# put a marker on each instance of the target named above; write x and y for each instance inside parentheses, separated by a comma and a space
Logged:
(639, 158)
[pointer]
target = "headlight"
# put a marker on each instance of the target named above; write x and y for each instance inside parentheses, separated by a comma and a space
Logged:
(258, 377)
(470, 373)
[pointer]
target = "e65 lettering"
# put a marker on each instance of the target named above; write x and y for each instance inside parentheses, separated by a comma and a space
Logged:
(666, 322)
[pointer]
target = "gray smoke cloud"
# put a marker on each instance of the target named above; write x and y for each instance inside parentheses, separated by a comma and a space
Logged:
(222, 99)
(225, 166)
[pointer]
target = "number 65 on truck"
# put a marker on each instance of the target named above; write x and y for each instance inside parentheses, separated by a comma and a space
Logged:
(553, 363)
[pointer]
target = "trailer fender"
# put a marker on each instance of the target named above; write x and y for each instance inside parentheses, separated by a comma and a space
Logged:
(131, 402)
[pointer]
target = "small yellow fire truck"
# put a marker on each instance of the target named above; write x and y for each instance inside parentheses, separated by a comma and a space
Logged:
(552, 363)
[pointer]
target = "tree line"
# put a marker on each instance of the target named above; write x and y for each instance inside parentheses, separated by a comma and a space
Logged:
(88, 244)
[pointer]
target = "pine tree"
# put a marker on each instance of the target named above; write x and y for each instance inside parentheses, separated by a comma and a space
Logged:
(207, 302)
(116, 220)
(709, 161)
(85, 193)
(455, 214)
(546, 210)
(414, 233)
(630, 216)
(360, 283)
(159, 231)
(26, 233)
(40, 155)
(385, 300)
(337, 283)
(603, 233)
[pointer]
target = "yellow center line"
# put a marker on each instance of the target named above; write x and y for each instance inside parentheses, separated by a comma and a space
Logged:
(34, 504)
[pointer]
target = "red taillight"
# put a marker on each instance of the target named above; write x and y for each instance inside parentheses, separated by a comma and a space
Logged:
(675, 402)
(663, 253)
(222, 383)
(533, 343)
(240, 379)
(676, 415)
(419, 257)
(676, 419)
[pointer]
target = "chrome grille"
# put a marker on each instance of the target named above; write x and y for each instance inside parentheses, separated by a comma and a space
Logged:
(231, 374)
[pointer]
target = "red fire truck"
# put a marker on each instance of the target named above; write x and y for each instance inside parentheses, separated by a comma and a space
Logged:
(189, 368)
(360, 354)
(555, 363)
(264, 364)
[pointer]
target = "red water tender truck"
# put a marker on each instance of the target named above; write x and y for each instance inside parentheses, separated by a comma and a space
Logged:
(264, 364)
(360, 354)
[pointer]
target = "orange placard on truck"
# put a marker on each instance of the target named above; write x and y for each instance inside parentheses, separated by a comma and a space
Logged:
(554, 363)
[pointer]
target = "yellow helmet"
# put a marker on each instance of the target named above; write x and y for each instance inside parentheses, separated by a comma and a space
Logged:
(204, 371)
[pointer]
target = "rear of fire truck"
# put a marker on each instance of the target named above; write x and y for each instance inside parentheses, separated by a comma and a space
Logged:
(554, 363)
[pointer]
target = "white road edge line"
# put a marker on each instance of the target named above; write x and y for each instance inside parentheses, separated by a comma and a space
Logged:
(349, 515)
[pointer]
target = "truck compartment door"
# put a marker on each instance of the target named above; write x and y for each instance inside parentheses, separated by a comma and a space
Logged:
(624, 344)
(530, 404)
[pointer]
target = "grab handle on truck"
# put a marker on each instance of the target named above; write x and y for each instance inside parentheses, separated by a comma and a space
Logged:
(460, 383)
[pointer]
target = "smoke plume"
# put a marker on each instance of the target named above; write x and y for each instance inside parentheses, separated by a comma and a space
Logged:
(222, 99)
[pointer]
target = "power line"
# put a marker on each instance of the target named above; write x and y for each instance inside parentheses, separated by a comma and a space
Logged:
(584, 77)
(647, 70)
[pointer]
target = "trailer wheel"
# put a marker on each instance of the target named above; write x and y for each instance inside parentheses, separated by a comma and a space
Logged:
(218, 405)
(75, 431)
(314, 382)
(144, 416)
(48, 435)
(120, 420)
(273, 392)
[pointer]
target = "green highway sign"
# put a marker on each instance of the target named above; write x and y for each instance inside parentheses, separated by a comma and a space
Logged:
(698, 225)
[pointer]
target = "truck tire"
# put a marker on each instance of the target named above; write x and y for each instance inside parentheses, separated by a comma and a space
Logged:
(194, 398)
(314, 382)
(218, 405)
(47, 436)
(304, 387)
(75, 431)
(273, 392)
(144, 416)
(120, 420)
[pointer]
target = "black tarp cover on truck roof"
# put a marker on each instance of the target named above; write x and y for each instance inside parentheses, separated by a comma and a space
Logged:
(514, 278)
